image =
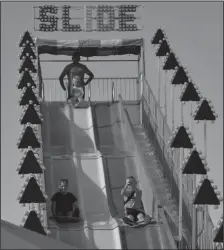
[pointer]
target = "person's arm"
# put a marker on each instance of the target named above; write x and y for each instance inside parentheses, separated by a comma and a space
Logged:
(123, 190)
(90, 74)
(61, 77)
(74, 201)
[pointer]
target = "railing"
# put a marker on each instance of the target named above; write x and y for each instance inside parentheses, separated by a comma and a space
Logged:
(100, 89)
(159, 132)
(174, 230)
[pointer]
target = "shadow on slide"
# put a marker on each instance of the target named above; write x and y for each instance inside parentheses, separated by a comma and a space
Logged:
(62, 136)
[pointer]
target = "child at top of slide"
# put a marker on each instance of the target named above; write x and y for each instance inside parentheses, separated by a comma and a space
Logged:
(132, 197)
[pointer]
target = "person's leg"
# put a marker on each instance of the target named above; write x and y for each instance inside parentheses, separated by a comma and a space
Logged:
(140, 216)
(76, 212)
(83, 96)
(59, 214)
(79, 94)
(69, 90)
(129, 214)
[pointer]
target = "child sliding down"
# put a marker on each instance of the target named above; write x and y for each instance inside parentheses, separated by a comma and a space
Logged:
(133, 205)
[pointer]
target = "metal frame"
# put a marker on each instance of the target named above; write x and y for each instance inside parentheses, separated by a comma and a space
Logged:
(122, 60)
(140, 60)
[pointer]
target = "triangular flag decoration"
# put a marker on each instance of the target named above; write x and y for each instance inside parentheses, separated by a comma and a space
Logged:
(181, 138)
(190, 93)
(204, 112)
(29, 139)
(27, 64)
(28, 95)
(180, 77)
(32, 193)
(27, 52)
(26, 40)
(31, 116)
(219, 234)
(163, 49)
(33, 223)
(206, 195)
(30, 165)
(171, 62)
(194, 164)
(159, 35)
(25, 80)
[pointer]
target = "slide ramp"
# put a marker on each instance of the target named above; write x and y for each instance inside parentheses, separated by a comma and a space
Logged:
(70, 152)
(121, 161)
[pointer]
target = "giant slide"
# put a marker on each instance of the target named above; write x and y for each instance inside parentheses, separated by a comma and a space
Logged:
(92, 149)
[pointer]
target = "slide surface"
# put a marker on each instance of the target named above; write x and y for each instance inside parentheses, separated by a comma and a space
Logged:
(70, 152)
(120, 162)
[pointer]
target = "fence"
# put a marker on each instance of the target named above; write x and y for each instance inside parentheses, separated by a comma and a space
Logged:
(100, 89)
(159, 132)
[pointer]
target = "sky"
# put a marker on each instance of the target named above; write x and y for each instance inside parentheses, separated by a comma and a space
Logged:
(195, 34)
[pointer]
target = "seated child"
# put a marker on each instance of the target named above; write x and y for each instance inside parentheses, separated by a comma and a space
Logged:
(132, 197)
(77, 90)
(64, 203)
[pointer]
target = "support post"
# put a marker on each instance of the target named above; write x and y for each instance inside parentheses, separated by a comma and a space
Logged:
(89, 93)
(113, 92)
(206, 206)
(173, 107)
(180, 228)
(159, 81)
(141, 98)
(194, 210)
(165, 96)
(180, 198)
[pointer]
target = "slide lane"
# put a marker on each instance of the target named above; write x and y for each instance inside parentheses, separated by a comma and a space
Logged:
(70, 153)
(121, 161)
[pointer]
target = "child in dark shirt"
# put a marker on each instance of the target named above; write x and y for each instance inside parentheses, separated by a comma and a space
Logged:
(64, 203)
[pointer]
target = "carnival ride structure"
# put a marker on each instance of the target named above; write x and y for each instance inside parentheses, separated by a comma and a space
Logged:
(98, 146)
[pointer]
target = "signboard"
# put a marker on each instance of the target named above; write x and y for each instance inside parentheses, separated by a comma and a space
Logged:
(50, 18)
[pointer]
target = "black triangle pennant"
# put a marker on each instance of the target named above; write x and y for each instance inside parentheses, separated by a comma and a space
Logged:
(32, 193)
(181, 139)
(31, 116)
(171, 62)
(29, 96)
(26, 40)
(30, 165)
(27, 64)
(219, 234)
(27, 52)
(157, 37)
(29, 139)
(204, 112)
(33, 223)
(25, 79)
(163, 49)
(206, 195)
(194, 164)
(180, 77)
(190, 94)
